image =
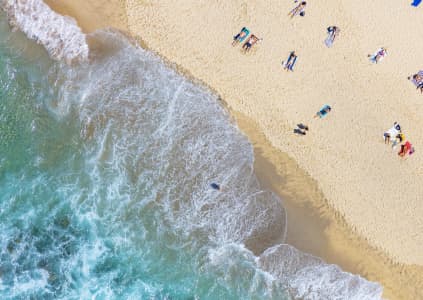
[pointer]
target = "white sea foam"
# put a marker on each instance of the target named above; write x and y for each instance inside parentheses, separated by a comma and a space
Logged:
(60, 35)
(310, 278)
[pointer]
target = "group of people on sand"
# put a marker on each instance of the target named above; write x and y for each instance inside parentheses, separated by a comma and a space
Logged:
(395, 136)
(242, 35)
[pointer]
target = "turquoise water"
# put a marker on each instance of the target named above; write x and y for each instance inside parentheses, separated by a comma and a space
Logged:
(105, 172)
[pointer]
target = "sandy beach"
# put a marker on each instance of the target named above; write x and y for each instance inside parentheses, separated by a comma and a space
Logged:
(364, 198)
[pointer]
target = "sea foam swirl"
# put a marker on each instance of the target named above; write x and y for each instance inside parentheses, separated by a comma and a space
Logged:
(60, 35)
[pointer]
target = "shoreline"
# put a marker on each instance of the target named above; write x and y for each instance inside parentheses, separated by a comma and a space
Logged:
(334, 236)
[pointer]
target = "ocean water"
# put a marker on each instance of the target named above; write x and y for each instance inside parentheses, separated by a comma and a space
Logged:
(106, 161)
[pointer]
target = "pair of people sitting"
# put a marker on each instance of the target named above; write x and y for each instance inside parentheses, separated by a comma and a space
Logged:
(298, 10)
(406, 148)
(241, 36)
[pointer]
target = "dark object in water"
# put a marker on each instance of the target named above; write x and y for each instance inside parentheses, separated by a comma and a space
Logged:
(215, 186)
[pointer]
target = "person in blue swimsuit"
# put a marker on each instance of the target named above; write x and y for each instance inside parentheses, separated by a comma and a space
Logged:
(323, 112)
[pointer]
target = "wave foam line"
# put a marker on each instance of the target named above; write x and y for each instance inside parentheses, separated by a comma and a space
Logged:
(60, 35)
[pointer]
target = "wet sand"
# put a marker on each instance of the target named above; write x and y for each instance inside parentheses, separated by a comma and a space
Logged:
(320, 223)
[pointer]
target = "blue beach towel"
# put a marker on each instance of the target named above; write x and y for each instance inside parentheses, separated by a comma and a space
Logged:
(416, 3)
(247, 32)
(288, 64)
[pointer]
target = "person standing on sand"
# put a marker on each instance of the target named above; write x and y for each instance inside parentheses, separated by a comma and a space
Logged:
(405, 149)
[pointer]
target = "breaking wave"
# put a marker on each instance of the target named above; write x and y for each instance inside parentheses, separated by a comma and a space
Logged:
(60, 35)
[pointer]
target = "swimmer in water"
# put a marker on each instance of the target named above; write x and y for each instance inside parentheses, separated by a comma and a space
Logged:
(215, 186)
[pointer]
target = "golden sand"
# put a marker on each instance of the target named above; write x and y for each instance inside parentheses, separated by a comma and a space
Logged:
(362, 196)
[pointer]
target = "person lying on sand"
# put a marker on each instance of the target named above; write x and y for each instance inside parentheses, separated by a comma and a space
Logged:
(250, 42)
(333, 31)
(406, 148)
(323, 111)
(378, 55)
(299, 9)
(290, 62)
(240, 36)
(302, 129)
(417, 79)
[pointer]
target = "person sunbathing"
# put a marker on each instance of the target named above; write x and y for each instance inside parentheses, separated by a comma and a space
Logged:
(417, 78)
(405, 149)
(240, 36)
(323, 112)
(381, 53)
(333, 32)
(299, 9)
(292, 58)
(250, 42)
